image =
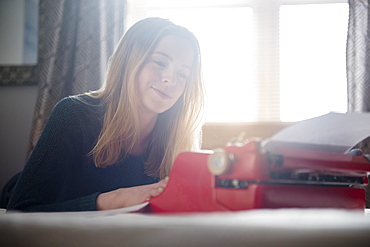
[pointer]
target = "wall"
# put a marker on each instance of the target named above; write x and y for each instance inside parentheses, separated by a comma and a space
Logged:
(16, 110)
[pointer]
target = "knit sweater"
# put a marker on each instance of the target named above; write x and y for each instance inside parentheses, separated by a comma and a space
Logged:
(60, 175)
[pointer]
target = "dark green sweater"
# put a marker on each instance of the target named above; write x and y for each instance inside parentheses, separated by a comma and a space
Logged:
(60, 175)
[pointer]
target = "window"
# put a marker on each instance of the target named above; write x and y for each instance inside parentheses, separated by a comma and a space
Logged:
(264, 60)
(313, 53)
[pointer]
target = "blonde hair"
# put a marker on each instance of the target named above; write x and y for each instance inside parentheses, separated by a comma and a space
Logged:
(176, 130)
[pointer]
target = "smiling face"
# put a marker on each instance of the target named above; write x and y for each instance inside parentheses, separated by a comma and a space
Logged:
(162, 79)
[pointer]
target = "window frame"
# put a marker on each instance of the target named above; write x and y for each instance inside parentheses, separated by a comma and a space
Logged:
(266, 71)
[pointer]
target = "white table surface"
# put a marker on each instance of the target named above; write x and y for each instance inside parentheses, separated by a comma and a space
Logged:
(281, 227)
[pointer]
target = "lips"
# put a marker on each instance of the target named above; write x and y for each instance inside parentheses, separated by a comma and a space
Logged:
(163, 95)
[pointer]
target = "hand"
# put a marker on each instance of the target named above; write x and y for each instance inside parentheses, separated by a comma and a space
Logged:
(126, 197)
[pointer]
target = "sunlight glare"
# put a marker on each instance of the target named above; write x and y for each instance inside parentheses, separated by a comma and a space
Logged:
(312, 60)
(225, 38)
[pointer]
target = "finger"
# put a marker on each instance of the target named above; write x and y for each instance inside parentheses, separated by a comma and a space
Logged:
(154, 192)
(162, 183)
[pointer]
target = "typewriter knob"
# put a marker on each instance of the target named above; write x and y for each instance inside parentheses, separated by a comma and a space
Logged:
(220, 162)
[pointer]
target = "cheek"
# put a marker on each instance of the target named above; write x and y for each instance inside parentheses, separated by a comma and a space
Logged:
(147, 74)
(180, 90)
(143, 80)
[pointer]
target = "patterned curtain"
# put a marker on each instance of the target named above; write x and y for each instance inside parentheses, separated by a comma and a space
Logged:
(358, 56)
(358, 65)
(76, 39)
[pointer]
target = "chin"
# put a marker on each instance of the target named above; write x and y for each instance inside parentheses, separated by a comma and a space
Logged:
(160, 110)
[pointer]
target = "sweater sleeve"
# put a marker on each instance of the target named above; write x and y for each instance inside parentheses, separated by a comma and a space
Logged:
(56, 154)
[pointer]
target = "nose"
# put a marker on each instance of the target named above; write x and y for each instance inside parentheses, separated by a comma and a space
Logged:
(168, 78)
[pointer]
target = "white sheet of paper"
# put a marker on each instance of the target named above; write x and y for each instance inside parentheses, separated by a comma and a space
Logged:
(123, 210)
(333, 132)
(93, 214)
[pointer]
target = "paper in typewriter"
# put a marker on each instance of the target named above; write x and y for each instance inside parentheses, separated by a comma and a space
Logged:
(333, 132)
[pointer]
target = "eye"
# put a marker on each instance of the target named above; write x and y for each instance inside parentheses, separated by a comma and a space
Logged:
(159, 63)
(182, 75)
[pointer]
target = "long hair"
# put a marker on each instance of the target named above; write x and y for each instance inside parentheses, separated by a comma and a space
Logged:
(176, 130)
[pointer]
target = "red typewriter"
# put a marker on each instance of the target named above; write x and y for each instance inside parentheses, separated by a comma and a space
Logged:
(245, 176)
(248, 174)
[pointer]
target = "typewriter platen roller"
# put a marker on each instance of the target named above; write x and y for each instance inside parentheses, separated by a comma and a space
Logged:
(243, 175)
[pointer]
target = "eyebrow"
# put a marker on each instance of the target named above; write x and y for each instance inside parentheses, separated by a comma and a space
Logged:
(170, 58)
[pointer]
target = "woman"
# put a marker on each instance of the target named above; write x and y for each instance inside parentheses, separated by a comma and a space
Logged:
(114, 147)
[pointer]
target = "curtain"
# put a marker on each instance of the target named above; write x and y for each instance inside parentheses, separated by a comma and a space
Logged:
(358, 56)
(358, 65)
(76, 38)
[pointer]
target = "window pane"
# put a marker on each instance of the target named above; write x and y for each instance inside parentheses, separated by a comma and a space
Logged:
(312, 60)
(225, 38)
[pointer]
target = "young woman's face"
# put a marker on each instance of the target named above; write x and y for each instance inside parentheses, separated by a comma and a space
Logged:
(162, 79)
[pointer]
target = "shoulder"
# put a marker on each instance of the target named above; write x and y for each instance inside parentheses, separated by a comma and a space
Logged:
(77, 110)
(79, 101)
(77, 105)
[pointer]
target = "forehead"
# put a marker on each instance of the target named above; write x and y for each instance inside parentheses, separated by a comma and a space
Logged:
(175, 48)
